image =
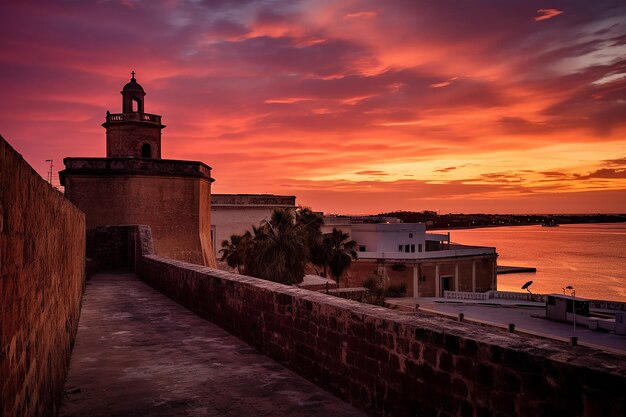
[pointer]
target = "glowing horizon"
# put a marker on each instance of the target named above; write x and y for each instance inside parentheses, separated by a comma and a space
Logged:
(354, 106)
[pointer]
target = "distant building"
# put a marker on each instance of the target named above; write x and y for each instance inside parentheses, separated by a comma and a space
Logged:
(133, 185)
(395, 253)
(234, 214)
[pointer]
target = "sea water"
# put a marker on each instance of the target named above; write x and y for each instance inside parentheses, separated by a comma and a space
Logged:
(589, 257)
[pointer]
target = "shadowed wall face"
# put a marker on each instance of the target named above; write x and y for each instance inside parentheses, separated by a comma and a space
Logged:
(42, 264)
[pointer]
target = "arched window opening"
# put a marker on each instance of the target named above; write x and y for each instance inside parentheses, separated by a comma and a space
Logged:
(146, 151)
(137, 105)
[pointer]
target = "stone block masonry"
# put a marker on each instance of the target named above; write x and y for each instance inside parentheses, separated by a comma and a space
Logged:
(42, 264)
(394, 363)
(171, 196)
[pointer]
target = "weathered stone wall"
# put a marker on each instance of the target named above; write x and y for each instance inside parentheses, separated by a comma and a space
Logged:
(42, 255)
(394, 363)
(125, 139)
(173, 197)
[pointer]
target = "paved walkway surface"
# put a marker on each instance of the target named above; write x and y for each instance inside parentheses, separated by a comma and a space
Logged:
(138, 353)
(525, 315)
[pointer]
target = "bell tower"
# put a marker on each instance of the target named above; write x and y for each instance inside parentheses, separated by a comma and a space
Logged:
(133, 133)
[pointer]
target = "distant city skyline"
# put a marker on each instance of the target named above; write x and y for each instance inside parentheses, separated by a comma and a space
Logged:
(353, 106)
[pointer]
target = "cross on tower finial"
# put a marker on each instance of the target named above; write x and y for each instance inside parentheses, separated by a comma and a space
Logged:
(132, 73)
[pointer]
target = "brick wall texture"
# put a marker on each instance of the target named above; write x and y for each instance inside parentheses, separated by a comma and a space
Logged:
(394, 363)
(173, 197)
(42, 255)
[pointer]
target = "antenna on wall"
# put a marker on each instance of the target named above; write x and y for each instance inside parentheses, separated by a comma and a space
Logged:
(50, 171)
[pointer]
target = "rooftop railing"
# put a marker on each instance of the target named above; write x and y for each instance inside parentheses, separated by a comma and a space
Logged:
(461, 250)
(137, 117)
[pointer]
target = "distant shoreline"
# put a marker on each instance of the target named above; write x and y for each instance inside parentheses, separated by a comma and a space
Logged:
(489, 226)
(435, 221)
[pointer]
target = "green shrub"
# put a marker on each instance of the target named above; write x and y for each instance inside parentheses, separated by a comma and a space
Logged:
(371, 284)
(398, 267)
(396, 290)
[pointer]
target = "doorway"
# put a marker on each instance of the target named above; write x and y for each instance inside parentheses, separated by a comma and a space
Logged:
(446, 284)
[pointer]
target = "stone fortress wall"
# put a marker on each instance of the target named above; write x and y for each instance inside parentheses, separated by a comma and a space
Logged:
(171, 195)
(389, 362)
(42, 267)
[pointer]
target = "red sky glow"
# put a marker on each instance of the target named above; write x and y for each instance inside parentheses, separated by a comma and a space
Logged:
(354, 106)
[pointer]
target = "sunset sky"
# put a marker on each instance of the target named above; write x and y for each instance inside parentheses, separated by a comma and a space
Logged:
(353, 106)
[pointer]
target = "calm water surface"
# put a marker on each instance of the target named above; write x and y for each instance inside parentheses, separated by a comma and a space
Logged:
(590, 257)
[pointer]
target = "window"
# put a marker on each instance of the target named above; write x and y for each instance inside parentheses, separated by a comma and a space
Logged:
(146, 151)
(400, 248)
(412, 248)
(419, 247)
(410, 235)
(361, 248)
(407, 248)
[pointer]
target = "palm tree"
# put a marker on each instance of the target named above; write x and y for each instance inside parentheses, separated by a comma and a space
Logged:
(340, 251)
(234, 251)
(311, 224)
(279, 250)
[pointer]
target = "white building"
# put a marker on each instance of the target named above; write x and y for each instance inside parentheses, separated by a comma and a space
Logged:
(427, 264)
(234, 214)
(390, 237)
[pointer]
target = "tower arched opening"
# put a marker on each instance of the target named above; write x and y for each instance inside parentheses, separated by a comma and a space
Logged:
(146, 150)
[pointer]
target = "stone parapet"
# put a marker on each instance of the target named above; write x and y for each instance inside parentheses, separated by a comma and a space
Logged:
(394, 363)
(112, 118)
(237, 200)
(134, 166)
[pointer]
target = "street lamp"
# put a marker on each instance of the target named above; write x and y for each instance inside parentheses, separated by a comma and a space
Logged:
(569, 287)
(50, 172)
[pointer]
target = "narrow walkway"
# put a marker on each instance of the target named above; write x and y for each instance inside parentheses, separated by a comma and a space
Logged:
(138, 353)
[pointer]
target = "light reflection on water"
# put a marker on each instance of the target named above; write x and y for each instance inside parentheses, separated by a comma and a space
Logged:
(590, 257)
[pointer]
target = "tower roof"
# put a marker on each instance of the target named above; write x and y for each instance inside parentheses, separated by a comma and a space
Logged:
(133, 85)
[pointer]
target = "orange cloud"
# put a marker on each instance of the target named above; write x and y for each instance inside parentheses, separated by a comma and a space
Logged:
(443, 83)
(545, 14)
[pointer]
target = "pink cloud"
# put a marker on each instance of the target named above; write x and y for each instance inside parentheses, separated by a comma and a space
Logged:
(361, 15)
(545, 14)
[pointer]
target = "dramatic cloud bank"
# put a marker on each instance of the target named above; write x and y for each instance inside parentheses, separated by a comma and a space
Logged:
(354, 106)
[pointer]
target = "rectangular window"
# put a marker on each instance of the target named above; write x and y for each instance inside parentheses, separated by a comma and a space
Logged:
(399, 248)
(412, 248)
(407, 248)
(419, 247)
(410, 235)
(361, 248)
